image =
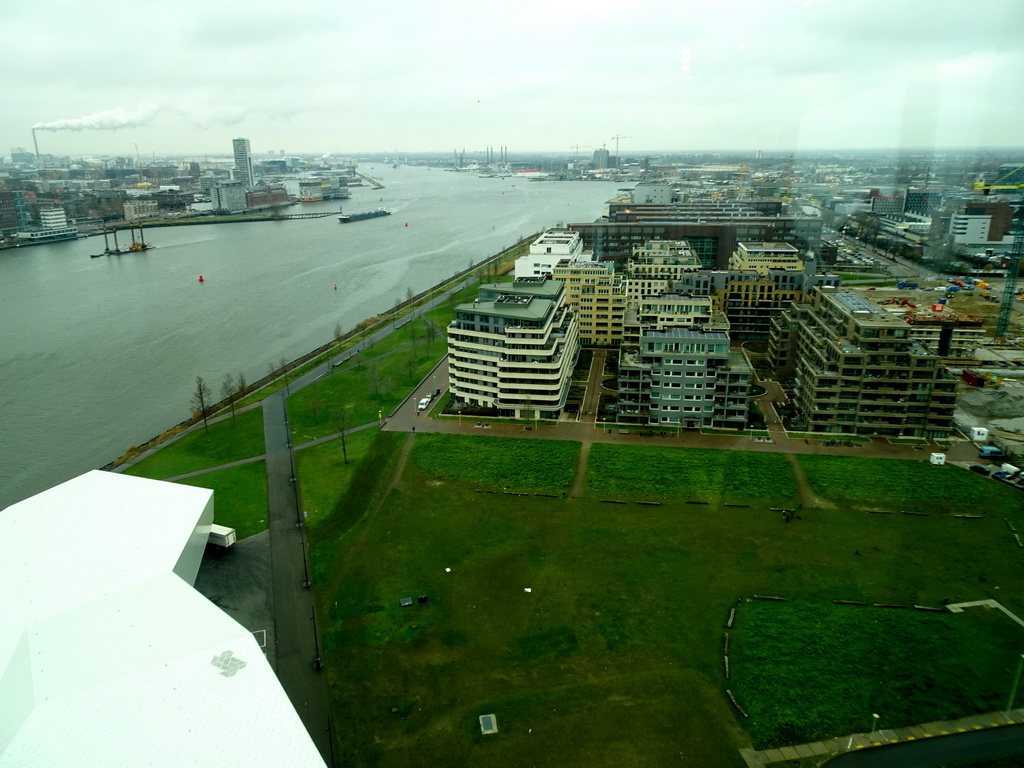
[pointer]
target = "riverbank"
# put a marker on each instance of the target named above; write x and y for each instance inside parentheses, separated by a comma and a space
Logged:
(499, 263)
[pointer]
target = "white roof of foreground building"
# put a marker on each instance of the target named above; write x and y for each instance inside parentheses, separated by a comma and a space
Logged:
(109, 657)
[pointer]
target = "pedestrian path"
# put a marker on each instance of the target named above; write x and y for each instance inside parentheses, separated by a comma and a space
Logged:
(879, 738)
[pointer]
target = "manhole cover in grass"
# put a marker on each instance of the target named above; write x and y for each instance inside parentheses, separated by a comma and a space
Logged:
(488, 724)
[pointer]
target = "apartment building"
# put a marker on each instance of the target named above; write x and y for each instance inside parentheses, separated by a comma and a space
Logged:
(686, 378)
(598, 296)
(513, 349)
(711, 227)
(858, 370)
(763, 257)
(547, 250)
(670, 310)
(656, 266)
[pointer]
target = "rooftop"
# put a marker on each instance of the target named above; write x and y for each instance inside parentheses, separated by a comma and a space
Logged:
(105, 641)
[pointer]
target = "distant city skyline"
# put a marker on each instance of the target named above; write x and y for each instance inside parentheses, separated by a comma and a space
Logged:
(552, 77)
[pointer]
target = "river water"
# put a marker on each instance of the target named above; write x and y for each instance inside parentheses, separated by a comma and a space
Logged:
(98, 354)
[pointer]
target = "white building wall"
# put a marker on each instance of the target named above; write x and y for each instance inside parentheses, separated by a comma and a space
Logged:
(969, 230)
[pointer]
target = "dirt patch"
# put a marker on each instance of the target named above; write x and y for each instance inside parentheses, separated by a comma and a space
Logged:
(807, 497)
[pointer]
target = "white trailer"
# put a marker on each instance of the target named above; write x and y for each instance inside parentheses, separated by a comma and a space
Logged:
(222, 536)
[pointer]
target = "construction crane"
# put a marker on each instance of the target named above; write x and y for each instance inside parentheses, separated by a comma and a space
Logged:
(578, 147)
(1010, 286)
(1016, 252)
(987, 188)
(618, 160)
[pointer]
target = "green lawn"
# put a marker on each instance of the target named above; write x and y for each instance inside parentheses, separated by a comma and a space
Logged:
(239, 498)
(806, 672)
(226, 441)
(499, 462)
(324, 476)
(906, 485)
(690, 473)
(356, 395)
(619, 641)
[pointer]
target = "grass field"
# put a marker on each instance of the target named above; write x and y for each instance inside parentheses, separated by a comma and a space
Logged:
(374, 382)
(239, 498)
(690, 474)
(806, 672)
(614, 656)
(497, 462)
(226, 441)
(905, 485)
(324, 477)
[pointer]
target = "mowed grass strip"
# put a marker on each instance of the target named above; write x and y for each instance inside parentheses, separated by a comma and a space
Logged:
(324, 475)
(499, 462)
(239, 497)
(690, 473)
(906, 485)
(805, 672)
(225, 441)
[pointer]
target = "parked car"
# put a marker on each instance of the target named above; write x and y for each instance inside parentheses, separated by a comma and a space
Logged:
(437, 392)
(1002, 474)
(424, 403)
(980, 469)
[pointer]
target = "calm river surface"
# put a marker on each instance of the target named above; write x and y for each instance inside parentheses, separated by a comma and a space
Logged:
(99, 354)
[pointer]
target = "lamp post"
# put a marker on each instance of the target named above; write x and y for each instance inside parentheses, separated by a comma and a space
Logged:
(1016, 680)
(380, 419)
(874, 724)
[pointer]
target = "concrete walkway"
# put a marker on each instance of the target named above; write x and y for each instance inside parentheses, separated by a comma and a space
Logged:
(881, 738)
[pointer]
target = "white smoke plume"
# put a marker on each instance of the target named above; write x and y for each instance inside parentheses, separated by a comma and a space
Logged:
(107, 120)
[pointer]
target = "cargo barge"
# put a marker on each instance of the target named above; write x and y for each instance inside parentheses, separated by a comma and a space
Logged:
(345, 218)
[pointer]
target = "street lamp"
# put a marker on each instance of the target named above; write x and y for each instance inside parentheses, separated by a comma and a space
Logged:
(874, 724)
(380, 419)
(1016, 680)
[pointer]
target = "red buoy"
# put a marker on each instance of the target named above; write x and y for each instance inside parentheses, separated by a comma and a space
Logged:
(407, 223)
(201, 279)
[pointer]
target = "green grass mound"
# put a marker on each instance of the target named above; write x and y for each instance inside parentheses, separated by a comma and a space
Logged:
(239, 497)
(689, 472)
(806, 672)
(499, 462)
(910, 485)
(226, 441)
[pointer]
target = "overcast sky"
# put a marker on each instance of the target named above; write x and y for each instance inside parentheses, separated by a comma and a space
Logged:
(187, 76)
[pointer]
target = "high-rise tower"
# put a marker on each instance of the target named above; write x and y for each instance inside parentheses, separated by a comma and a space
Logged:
(243, 162)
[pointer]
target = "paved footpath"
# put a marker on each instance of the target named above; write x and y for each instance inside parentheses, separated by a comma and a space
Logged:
(944, 747)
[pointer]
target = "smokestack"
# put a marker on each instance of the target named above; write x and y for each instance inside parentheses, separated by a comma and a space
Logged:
(35, 141)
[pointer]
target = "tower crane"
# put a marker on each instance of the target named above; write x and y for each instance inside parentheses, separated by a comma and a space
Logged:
(618, 159)
(578, 147)
(987, 188)
(1016, 252)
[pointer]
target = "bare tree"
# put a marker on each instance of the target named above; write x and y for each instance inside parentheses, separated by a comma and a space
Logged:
(282, 367)
(430, 332)
(409, 293)
(337, 332)
(201, 398)
(241, 384)
(228, 392)
(410, 361)
(340, 420)
(373, 373)
(315, 403)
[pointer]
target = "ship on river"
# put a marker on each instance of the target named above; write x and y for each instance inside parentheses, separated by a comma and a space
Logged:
(345, 218)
